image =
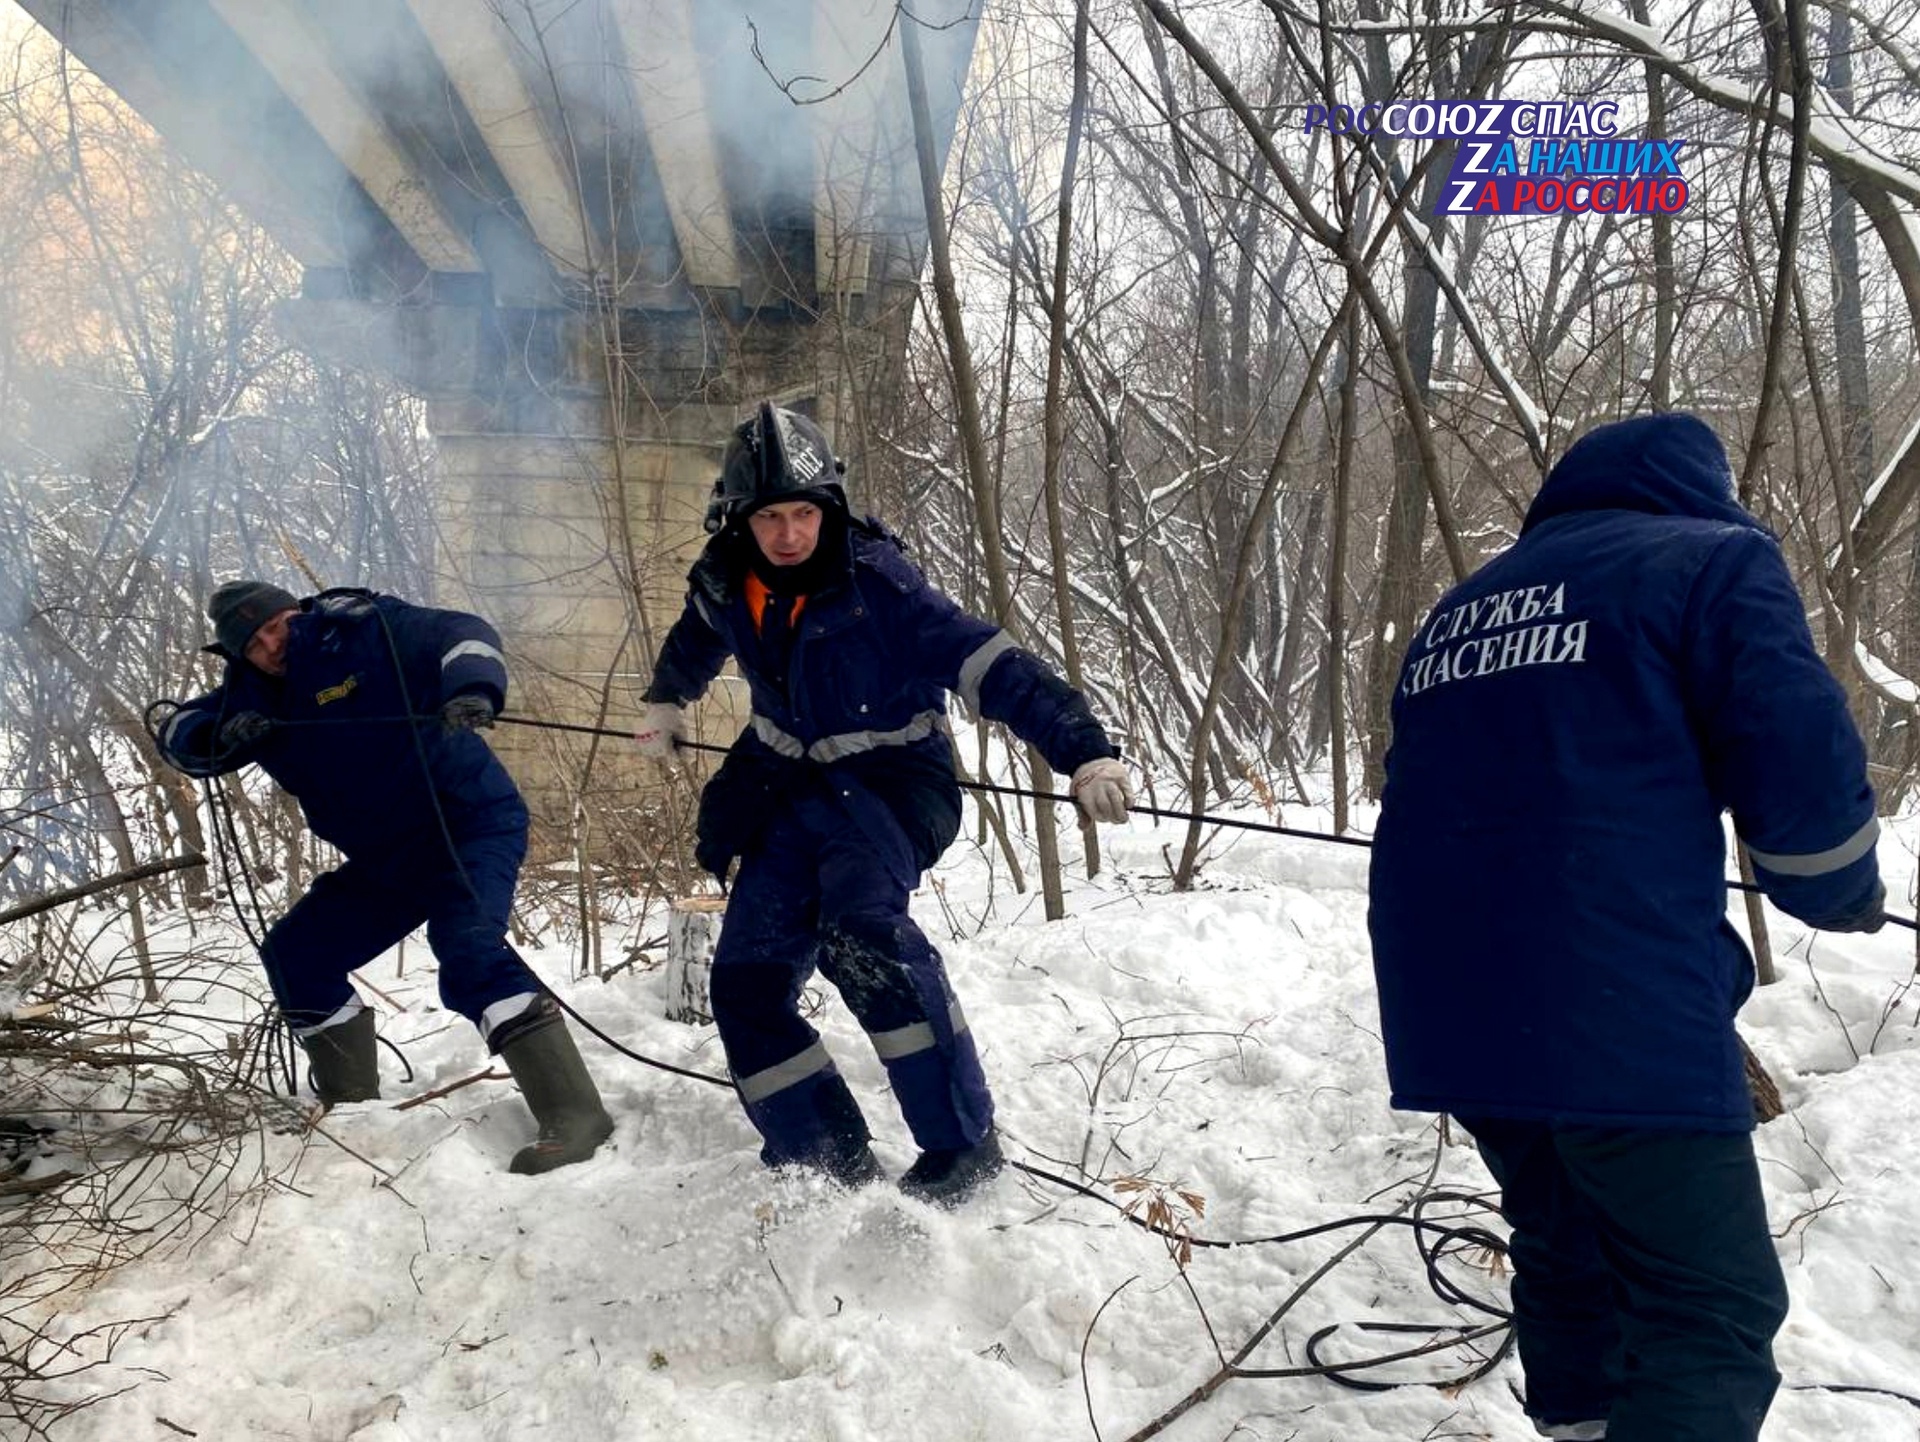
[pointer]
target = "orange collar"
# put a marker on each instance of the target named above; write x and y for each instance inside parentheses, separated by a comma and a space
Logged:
(757, 596)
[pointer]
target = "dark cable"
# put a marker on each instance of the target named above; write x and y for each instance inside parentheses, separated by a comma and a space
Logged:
(392, 1047)
(1154, 811)
(1435, 1241)
(270, 1054)
(453, 851)
(1336, 1372)
(699, 1076)
(1854, 1387)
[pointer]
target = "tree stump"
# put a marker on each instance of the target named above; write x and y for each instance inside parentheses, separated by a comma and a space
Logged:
(693, 926)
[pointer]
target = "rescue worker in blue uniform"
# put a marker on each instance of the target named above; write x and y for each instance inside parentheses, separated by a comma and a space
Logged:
(318, 693)
(1549, 914)
(839, 794)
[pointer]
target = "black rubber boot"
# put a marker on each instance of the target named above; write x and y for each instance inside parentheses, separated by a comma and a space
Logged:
(345, 1065)
(562, 1097)
(948, 1178)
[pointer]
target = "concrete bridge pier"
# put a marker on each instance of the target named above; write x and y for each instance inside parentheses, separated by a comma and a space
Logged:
(568, 516)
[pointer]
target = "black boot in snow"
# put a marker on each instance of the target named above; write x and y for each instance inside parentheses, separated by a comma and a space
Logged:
(853, 1168)
(948, 1178)
(847, 1156)
(345, 1065)
(545, 1062)
(841, 1149)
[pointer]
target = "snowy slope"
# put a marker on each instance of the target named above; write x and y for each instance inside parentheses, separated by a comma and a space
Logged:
(1222, 1041)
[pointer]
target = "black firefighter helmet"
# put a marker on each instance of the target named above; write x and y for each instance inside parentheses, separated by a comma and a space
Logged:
(778, 455)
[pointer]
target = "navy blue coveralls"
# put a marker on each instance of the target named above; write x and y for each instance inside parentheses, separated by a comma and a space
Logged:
(837, 796)
(1549, 922)
(388, 794)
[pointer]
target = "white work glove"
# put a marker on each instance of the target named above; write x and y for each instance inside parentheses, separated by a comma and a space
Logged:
(662, 729)
(1102, 790)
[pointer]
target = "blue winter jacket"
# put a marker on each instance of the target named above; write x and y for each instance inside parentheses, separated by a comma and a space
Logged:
(1548, 897)
(864, 692)
(374, 786)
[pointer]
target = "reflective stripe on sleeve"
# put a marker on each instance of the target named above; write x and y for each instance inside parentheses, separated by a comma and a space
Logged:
(1819, 863)
(473, 648)
(973, 670)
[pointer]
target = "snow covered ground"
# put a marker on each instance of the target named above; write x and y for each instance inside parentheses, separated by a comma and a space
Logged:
(1221, 1042)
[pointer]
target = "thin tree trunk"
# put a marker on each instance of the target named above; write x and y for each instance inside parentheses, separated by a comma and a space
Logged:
(1665, 277)
(1797, 71)
(1763, 967)
(1402, 569)
(1054, 415)
(1849, 317)
(973, 436)
(1336, 661)
(1299, 598)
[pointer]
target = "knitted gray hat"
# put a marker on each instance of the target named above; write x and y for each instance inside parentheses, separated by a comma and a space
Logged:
(239, 608)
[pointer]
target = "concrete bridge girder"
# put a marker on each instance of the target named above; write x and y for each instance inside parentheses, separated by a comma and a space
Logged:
(660, 148)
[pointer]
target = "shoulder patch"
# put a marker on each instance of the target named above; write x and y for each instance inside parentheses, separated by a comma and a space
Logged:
(337, 693)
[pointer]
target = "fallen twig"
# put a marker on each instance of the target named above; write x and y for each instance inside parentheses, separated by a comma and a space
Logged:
(105, 883)
(466, 1081)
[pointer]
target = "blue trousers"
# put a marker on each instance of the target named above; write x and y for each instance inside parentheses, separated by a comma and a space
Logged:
(1646, 1290)
(352, 914)
(825, 886)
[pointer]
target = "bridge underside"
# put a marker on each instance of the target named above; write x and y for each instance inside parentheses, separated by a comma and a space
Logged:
(740, 156)
(590, 233)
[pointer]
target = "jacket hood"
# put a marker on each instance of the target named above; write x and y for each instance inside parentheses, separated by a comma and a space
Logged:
(1671, 464)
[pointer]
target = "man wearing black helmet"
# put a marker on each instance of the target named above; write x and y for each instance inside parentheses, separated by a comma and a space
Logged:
(839, 794)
